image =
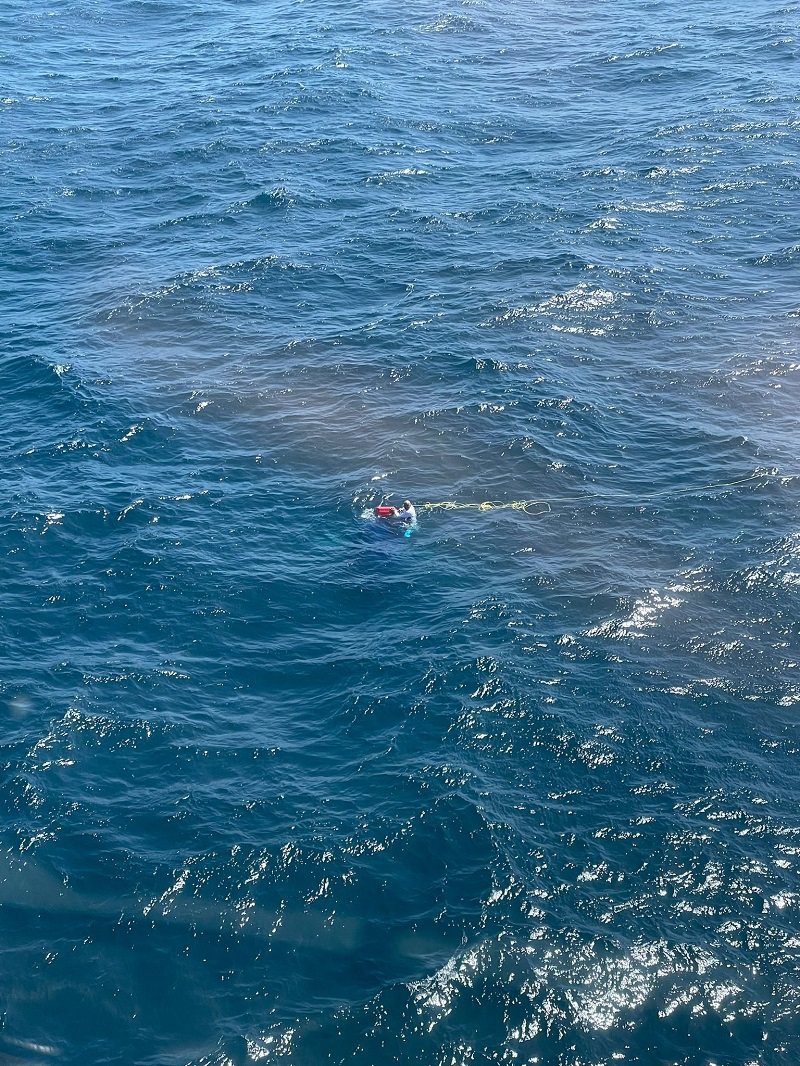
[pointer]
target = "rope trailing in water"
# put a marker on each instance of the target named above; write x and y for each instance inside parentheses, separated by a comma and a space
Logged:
(488, 505)
(595, 497)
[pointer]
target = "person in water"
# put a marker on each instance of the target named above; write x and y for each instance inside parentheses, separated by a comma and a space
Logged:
(406, 512)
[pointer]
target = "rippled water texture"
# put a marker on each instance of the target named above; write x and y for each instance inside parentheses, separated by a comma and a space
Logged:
(278, 784)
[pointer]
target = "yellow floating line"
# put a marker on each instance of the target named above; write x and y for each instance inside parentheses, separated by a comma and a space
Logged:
(488, 505)
(595, 497)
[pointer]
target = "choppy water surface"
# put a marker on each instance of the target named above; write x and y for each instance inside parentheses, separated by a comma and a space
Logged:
(277, 784)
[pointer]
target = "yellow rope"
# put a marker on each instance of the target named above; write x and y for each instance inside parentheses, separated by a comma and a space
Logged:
(487, 505)
(593, 497)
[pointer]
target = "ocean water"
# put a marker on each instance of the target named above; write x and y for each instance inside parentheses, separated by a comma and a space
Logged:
(279, 785)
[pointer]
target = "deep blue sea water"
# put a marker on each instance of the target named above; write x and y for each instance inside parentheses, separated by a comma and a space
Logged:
(279, 785)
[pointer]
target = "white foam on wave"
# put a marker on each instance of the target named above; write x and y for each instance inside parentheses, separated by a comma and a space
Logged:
(567, 311)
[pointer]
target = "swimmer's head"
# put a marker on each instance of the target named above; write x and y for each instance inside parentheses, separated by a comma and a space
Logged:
(406, 504)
